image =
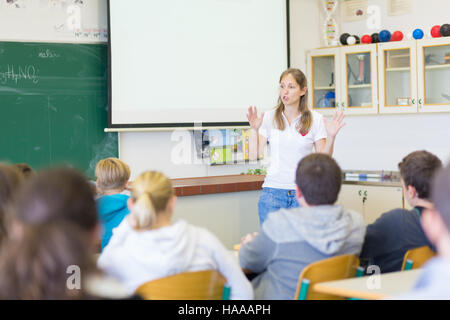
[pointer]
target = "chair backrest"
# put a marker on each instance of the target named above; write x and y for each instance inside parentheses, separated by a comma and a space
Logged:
(416, 257)
(198, 285)
(335, 268)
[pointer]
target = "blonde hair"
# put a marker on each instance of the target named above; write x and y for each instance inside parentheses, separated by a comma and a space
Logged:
(151, 192)
(305, 122)
(112, 174)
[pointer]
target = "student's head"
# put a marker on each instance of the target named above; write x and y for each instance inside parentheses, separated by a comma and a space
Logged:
(436, 222)
(10, 181)
(293, 91)
(58, 195)
(152, 195)
(112, 175)
(25, 169)
(40, 262)
(417, 170)
(318, 180)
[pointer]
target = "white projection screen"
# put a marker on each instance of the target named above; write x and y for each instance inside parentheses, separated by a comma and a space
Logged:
(176, 63)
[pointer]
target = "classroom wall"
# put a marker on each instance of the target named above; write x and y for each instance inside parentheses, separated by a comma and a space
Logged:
(139, 148)
(366, 142)
(54, 21)
(424, 15)
(379, 142)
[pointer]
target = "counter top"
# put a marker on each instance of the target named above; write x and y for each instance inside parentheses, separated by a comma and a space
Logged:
(217, 184)
(249, 182)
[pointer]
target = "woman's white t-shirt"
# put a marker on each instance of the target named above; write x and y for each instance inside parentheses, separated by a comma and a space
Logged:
(288, 147)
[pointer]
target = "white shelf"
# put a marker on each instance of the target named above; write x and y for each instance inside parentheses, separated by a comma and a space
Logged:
(398, 69)
(324, 88)
(359, 86)
(439, 66)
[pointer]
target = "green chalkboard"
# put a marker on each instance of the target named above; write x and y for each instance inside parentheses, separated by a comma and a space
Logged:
(53, 104)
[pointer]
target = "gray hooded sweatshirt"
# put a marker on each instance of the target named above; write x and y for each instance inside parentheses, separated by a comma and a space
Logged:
(291, 239)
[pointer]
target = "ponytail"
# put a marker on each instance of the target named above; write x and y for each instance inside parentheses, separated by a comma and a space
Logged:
(151, 192)
(143, 213)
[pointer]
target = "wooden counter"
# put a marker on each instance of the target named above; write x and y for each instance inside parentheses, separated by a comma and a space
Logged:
(217, 184)
(243, 182)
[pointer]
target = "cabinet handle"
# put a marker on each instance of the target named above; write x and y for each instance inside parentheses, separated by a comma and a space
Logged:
(359, 192)
(365, 193)
(420, 103)
(413, 101)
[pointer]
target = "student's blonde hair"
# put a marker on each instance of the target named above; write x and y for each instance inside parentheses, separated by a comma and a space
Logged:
(112, 174)
(150, 192)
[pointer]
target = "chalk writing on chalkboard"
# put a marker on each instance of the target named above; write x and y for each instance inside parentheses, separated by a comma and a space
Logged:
(16, 73)
(48, 54)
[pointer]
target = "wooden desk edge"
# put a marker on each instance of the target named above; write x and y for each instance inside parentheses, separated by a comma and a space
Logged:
(347, 292)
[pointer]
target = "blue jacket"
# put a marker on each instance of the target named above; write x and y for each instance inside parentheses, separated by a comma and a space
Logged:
(111, 210)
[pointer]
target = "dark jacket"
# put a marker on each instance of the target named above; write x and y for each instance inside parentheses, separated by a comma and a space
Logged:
(390, 236)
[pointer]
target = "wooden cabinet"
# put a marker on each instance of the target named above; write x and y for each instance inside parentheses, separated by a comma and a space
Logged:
(323, 73)
(397, 75)
(388, 77)
(433, 66)
(344, 78)
(370, 201)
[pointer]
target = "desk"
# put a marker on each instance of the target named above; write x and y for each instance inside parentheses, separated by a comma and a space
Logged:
(390, 284)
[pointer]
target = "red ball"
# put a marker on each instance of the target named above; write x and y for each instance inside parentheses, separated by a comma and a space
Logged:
(366, 39)
(436, 31)
(397, 36)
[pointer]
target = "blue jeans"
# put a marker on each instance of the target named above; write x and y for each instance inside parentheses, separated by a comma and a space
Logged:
(272, 199)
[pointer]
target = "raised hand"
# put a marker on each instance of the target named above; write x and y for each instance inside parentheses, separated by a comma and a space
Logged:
(335, 124)
(253, 119)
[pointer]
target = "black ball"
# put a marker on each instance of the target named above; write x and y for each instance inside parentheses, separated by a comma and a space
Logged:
(375, 37)
(445, 30)
(358, 40)
(343, 38)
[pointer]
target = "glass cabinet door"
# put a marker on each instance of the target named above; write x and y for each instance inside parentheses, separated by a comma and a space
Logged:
(360, 79)
(397, 77)
(323, 73)
(434, 75)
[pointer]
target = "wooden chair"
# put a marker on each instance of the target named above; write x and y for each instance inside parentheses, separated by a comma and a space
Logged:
(198, 285)
(417, 257)
(335, 268)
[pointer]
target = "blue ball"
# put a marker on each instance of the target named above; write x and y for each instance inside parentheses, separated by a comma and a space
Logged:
(418, 34)
(330, 95)
(384, 36)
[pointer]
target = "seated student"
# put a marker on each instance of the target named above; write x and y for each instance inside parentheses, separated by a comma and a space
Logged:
(37, 260)
(397, 231)
(291, 239)
(54, 228)
(10, 181)
(112, 179)
(147, 245)
(434, 281)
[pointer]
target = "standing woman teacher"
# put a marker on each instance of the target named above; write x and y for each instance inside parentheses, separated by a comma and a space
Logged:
(293, 130)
